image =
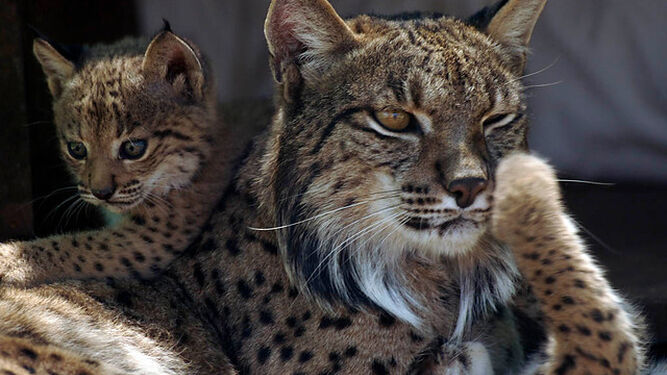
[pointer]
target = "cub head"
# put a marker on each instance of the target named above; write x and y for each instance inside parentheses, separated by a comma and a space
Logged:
(133, 118)
(386, 139)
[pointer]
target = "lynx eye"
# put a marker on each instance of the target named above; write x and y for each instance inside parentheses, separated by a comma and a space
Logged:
(394, 120)
(77, 150)
(500, 120)
(132, 149)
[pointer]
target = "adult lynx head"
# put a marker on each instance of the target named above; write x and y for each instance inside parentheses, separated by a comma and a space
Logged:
(386, 139)
(132, 118)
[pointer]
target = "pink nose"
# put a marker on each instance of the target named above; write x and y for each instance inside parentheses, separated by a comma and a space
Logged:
(465, 190)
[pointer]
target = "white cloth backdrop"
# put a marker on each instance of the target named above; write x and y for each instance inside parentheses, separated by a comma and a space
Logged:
(607, 119)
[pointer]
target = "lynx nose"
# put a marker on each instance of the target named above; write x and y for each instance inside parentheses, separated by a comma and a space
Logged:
(104, 193)
(465, 190)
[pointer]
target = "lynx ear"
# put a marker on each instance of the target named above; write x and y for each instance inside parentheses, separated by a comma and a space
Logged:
(173, 60)
(56, 67)
(303, 36)
(511, 22)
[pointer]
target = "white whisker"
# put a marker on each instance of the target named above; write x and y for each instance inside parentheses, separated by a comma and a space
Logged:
(318, 215)
(540, 85)
(587, 182)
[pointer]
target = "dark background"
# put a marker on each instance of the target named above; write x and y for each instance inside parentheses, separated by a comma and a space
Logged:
(599, 111)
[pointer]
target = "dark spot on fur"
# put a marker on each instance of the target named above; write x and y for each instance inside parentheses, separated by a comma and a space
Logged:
(139, 257)
(305, 356)
(299, 331)
(604, 335)
(279, 338)
(263, 354)
(378, 368)
(568, 300)
(415, 337)
(563, 328)
(286, 353)
(584, 330)
(550, 280)
(334, 357)
(244, 289)
(265, 317)
(597, 316)
(350, 351)
(276, 288)
(567, 365)
(339, 323)
(28, 353)
(386, 320)
(259, 278)
(622, 349)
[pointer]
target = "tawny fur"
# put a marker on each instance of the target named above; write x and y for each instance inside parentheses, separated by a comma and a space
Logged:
(165, 197)
(591, 331)
(330, 251)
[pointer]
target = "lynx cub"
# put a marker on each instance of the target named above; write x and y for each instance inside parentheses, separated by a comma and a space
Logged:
(138, 129)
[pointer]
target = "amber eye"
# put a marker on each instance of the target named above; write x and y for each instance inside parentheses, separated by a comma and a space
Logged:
(77, 150)
(133, 149)
(393, 119)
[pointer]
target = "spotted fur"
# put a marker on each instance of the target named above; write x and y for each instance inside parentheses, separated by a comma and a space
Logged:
(160, 92)
(592, 330)
(344, 247)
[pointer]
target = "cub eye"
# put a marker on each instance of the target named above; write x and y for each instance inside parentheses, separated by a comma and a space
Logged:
(133, 149)
(77, 150)
(500, 120)
(394, 120)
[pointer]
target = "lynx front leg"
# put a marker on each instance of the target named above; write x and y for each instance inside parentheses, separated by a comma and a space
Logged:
(591, 331)
(142, 244)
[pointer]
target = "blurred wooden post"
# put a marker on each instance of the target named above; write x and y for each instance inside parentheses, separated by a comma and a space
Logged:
(15, 173)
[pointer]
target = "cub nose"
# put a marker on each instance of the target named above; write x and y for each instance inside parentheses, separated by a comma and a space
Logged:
(465, 190)
(104, 193)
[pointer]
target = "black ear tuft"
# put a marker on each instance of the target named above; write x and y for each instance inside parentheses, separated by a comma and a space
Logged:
(482, 18)
(72, 52)
(166, 25)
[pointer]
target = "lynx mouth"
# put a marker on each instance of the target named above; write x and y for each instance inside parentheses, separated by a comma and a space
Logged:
(443, 228)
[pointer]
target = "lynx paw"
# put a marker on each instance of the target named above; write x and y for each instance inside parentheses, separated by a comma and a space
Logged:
(526, 198)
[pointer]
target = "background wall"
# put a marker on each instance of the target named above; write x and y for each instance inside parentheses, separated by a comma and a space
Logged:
(606, 119)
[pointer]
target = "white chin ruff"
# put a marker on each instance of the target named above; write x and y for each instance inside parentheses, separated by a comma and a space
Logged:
(456, 240)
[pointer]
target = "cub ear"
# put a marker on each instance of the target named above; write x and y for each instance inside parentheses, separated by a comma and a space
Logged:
(171, 59)
(303, 37)
(511, 23)
(56, 67)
